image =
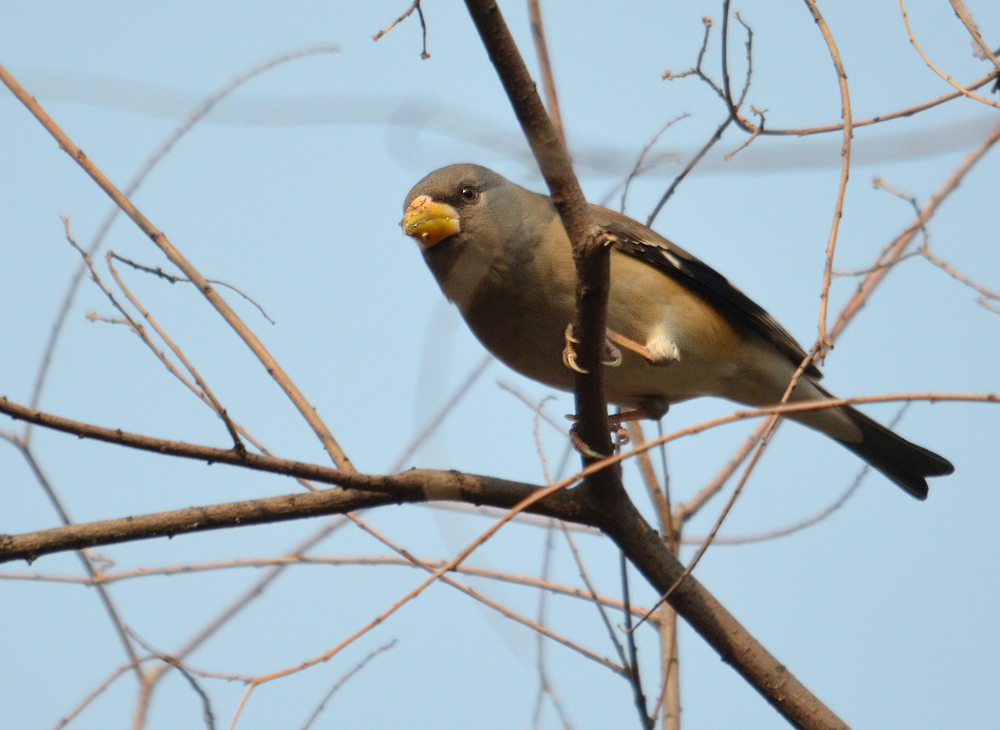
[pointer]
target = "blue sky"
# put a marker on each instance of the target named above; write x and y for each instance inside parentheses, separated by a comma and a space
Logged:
(292, 192)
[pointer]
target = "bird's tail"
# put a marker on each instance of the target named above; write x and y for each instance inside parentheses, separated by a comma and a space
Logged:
(901, 461)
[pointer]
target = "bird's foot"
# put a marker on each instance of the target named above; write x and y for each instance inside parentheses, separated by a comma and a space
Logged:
(613, 356)
(619, 432)
(569, 351)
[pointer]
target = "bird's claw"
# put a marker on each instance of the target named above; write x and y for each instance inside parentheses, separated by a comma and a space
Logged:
(621, 439)
(612, 354)
(582, 447)
(569, 351)
(621, 433)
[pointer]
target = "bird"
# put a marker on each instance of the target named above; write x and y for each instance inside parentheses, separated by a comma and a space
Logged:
(677, 329)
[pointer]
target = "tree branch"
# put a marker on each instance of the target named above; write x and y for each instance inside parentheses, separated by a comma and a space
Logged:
(590, 251)
(171, 252)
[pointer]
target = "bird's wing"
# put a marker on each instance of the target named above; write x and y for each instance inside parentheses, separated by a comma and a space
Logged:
(643, 244)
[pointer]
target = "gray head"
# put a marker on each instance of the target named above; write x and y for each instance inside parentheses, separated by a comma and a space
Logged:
(468, 203)
(471, 224)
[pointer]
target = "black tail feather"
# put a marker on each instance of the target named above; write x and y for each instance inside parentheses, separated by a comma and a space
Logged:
(901, 461)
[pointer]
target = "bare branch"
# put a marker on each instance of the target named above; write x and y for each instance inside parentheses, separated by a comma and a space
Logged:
(160, 273)
(344, 679)
(930, 64)
(135, 183)
(896, 249)
(823, 340)
(164, 244)
(423, 26)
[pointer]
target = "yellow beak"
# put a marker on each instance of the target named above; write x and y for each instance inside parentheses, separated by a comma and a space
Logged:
(429, 222)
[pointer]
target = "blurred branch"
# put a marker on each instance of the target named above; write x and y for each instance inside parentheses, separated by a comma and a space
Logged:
(545, 66)
(970, 25)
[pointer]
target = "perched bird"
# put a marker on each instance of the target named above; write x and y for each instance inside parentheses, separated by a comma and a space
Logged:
(677, 329)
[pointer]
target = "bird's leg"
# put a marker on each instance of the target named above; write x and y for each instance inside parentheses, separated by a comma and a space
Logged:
(612, 353)
(658, 351)
(625, 342)
(653, 408)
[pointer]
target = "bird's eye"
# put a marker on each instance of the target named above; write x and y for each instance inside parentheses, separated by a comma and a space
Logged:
(470, 193)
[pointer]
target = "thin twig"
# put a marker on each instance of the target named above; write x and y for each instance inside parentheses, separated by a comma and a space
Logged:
(291, 560)
(595, 598)
(243, 703)
(692, 163)
(957, 275)
(438, 573)
(686, 510)
(902, 241)
(633, 652)
(344, 679)
(307, 411)
(174, 279)
(136, 182)
(732, 106)
(823, 341)
(423, 26)
(637, 168)
(970, 25)
(206, 704)
(930, 64)
(203, 390)
(819, 516)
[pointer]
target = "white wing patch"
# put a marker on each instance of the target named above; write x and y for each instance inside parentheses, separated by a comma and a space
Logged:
(670, 257)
